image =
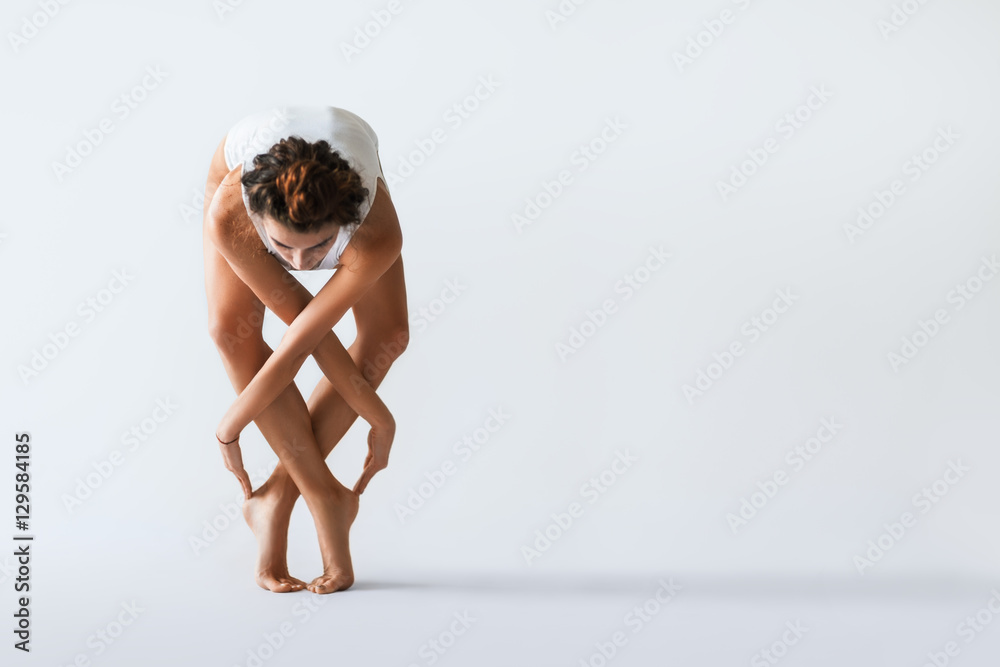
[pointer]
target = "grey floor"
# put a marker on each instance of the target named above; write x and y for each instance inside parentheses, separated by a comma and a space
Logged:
(203, 612)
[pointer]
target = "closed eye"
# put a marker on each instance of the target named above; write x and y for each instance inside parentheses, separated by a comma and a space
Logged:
(318, 245)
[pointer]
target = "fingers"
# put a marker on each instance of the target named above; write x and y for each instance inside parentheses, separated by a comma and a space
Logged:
(362, 482)
(376, 459)
(366, 476)
(233, 459)
(371, 468)
(245, 483)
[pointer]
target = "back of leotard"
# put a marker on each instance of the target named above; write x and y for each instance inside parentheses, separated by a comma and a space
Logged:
(348, 134)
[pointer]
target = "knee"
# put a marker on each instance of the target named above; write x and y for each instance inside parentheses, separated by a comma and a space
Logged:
(386, 350)
(229, 331)
(394, 344)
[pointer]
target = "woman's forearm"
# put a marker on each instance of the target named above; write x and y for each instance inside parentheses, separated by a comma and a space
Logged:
(333, 359)
(279, 371)
(339, 368)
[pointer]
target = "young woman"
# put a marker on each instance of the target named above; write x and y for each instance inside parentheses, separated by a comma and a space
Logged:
(301, 188)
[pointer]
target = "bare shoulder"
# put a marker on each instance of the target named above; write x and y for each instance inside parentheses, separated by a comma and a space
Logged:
(227, 214)
(379, 233)
(381, 220)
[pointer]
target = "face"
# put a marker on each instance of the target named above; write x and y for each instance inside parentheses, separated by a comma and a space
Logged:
(302, 251)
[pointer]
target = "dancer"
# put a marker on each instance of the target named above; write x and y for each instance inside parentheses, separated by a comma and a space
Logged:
(301, 188)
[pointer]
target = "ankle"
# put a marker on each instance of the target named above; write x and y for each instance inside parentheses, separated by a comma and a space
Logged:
(325, 492)
(282, 490)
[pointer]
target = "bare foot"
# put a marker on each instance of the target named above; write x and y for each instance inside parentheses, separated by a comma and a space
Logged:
(333, 517)
(268, 517)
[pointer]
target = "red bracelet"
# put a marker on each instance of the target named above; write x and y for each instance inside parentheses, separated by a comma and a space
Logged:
(226, 443)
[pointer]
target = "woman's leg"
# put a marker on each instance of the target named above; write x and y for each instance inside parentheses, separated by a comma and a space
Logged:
(235, 319)
(383, 334)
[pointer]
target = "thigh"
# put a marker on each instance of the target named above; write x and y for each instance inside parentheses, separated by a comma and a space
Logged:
(380, 314)
(233, 308)
(235, 314)
(381, 311)
(381, 319)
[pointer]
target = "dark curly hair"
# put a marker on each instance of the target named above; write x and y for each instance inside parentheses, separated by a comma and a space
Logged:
(304, 185)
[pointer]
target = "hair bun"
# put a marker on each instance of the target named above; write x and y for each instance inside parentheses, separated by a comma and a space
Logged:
(308, 190)
(304, 185)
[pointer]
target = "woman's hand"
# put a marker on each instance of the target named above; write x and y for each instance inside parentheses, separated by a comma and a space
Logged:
(233, 459)
(379, 443)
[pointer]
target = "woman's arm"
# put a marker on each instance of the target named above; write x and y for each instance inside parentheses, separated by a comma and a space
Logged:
(310, 318)
(287, 298)
(304, 335)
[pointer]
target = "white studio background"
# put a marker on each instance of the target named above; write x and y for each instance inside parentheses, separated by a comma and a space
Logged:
(809, 113)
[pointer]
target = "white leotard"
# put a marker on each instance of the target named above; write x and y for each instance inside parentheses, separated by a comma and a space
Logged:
(347, 133)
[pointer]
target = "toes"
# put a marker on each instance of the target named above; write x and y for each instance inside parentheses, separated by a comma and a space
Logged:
(330, 584)
(293, 583)
(321, 586)
(274, 584)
